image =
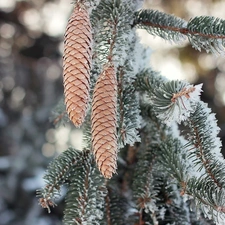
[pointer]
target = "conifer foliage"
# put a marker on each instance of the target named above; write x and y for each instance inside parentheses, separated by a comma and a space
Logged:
(136, 168)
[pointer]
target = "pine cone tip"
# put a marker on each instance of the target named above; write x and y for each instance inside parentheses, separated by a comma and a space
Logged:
(108, 169)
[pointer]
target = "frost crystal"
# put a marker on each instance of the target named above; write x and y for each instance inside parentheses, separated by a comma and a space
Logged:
(178, 107)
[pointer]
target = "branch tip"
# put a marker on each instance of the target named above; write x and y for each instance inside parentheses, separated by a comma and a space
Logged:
(46, 203)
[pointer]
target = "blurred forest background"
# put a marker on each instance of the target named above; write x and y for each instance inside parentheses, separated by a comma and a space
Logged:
(31, 46)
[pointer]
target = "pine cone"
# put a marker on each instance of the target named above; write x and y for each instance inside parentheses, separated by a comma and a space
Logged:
(77, 64)
(104, 113)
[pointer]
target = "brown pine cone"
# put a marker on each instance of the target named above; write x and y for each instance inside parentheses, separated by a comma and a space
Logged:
(77, 61)
(104, 113)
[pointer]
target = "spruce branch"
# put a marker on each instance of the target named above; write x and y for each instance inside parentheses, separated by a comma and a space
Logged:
(85, 195)
(115, 207)
(204, 32)
(129, 119)
(107, 205)
(173, 160)
(146, 185)
(177, 207)
(143, 185)
(128, 109)
(173, 101)
(105, 38)
(56, 175)
(172, 154)
(209, 198)
(59, 115)
(203, 136)
(160, 24)
(148, 80)
(59, 118)
(112, 17)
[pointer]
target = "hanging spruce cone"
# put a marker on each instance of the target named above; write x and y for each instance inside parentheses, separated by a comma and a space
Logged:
(104, 138)
(77, 64)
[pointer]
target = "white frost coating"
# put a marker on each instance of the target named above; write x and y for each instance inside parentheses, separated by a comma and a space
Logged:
(162, 213)
(195, 95)
(219, 218)
(181, 105)
(151, 206)
(196, 170)
(213, 131)
(132, 136)
(191, 171)
(216, 152)
(132, 119)
(137, 3)
(174, 113)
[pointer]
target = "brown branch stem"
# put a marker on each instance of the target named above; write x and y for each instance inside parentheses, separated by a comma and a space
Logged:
(112, 41)
(184, 31)
(84, 197)
(202, 157)
(59, 117)
(146, 198)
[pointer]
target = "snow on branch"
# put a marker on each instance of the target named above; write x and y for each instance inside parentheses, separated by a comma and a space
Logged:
(209, 199)
(207, 32)
(207, 146)
(56, 175)
(173, 101)
(85, 195)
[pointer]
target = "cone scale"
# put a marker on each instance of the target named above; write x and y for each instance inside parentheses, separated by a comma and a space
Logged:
(104, 112)
(77, 64)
